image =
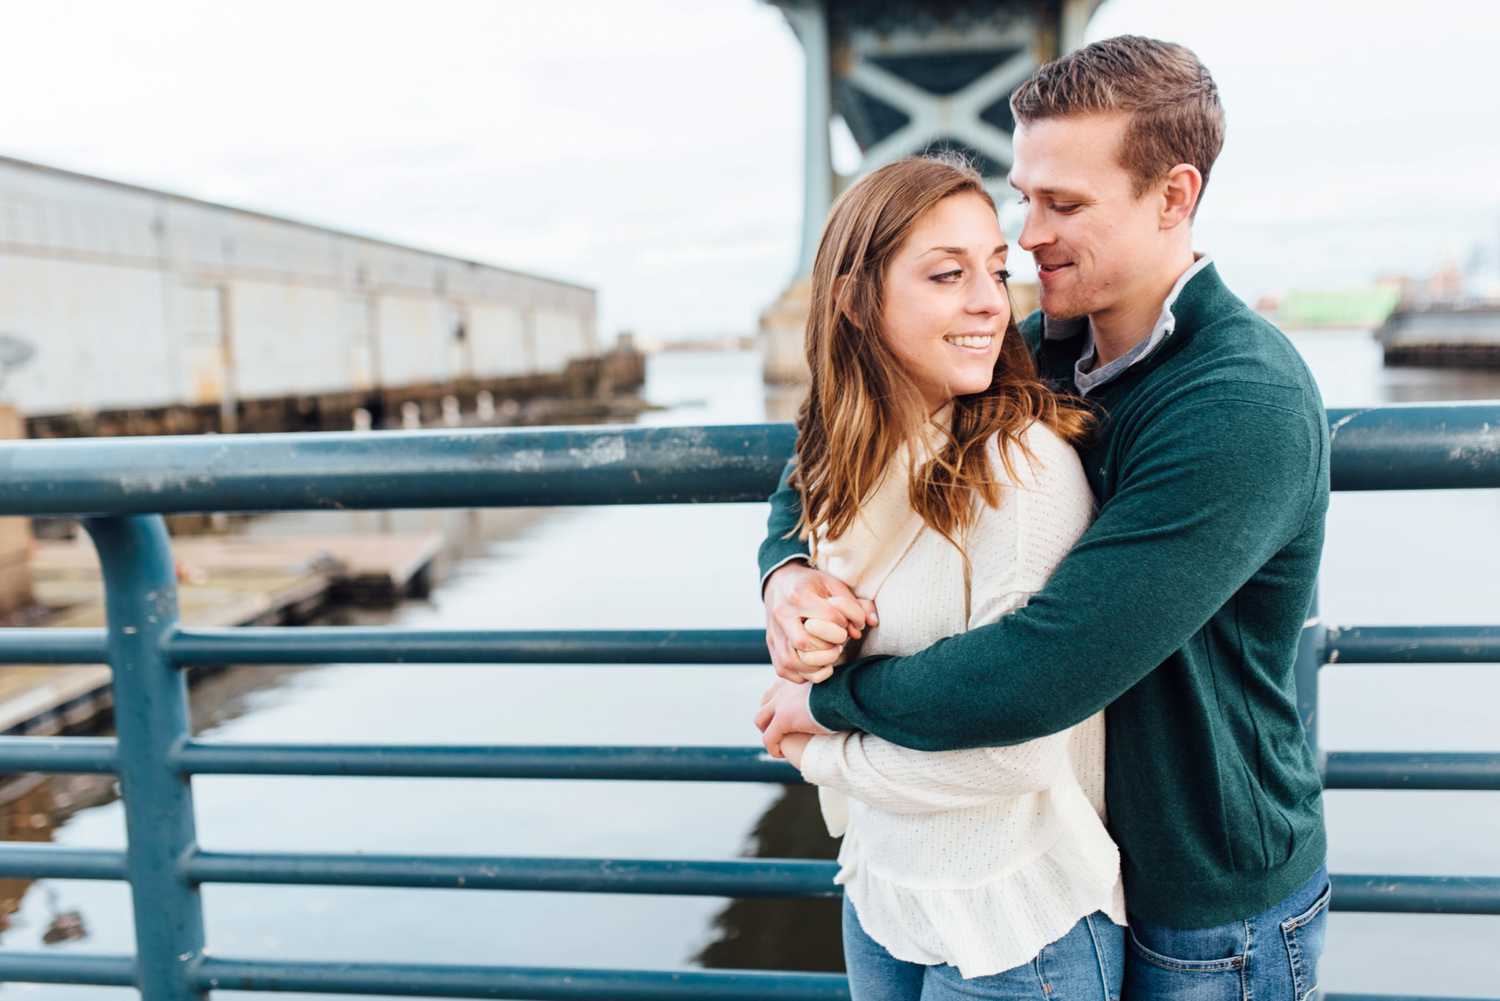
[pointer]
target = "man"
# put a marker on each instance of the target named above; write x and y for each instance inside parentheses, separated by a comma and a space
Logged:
(1181, 607)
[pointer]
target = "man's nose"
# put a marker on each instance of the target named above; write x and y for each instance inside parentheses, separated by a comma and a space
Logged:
(1033, 233)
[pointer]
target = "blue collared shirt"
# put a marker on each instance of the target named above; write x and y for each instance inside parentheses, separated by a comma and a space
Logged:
(1087, 378)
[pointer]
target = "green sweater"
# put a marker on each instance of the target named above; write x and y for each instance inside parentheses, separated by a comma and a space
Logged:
(1180, 610)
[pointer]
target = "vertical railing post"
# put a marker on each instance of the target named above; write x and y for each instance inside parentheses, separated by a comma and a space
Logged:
(1311, 648)
(151, 718)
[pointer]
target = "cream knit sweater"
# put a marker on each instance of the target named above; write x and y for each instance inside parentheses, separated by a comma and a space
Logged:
(974, 858)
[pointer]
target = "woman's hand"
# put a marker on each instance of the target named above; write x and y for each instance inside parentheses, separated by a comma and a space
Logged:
(796, 597)
(792, 746)
(818, 665)
(783, 713)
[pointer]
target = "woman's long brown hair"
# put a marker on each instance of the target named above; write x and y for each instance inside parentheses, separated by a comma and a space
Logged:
(862, 406)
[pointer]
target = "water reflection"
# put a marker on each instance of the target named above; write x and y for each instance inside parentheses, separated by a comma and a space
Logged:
(777, 934)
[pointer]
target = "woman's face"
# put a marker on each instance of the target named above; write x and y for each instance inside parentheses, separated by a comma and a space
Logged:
(946, 307)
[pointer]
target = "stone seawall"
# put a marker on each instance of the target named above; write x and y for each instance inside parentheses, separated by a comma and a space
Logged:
(598, 388)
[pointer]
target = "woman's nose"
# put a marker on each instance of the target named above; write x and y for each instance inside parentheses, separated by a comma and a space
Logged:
(989, 297)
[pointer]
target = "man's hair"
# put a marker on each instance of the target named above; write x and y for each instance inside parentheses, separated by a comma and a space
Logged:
(1175, 115)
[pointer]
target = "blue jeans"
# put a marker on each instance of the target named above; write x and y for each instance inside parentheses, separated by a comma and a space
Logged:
(1086, 964)
(1272, 956)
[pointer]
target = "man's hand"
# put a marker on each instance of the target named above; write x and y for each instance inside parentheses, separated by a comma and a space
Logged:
(783, 711)
(810, 615)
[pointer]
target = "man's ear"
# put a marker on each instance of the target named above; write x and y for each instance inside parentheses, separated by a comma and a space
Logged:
(1180, 192)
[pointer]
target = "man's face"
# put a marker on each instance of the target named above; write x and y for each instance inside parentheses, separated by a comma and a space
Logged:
(1096, 244)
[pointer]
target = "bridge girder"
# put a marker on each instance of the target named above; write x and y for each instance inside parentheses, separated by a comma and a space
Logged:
(910, 76)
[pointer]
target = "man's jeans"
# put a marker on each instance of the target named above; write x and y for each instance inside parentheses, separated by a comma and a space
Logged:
(1272, 956)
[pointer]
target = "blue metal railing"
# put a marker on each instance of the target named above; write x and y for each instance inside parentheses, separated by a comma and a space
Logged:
(120, 488)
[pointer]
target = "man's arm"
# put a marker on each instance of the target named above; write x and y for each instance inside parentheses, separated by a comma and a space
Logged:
(786, 511)
(1211, 490)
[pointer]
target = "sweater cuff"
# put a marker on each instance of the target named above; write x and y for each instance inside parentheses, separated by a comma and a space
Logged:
(821, 708)
(778, 565)
(818, 759)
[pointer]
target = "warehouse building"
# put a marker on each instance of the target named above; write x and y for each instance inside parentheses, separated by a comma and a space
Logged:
(142, 310)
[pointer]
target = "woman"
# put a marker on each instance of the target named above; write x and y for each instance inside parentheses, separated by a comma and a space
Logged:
(936, 472)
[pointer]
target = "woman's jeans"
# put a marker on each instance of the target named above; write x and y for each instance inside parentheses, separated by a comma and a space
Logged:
(1272, 956)
(1083, 965)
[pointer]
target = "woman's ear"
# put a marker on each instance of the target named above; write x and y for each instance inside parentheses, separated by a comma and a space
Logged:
(840, 304)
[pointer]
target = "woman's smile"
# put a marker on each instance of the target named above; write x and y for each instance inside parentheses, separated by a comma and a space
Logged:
(972, 343)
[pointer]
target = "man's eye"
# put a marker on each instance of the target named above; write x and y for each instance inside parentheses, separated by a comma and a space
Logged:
(1067, 209)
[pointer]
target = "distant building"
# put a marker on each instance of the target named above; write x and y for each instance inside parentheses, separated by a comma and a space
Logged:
(136, 298)
(1361, 307)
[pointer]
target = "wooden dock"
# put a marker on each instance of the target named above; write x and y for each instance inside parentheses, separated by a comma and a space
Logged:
(222, 581)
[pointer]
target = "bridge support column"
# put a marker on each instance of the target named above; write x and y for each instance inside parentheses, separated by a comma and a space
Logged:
(907, 78)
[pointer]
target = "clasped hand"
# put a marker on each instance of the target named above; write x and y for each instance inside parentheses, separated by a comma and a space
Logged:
(810, 616)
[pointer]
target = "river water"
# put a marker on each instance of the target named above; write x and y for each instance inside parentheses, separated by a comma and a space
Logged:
(1391, 559)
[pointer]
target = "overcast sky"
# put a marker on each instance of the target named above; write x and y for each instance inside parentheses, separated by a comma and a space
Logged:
(652, 148)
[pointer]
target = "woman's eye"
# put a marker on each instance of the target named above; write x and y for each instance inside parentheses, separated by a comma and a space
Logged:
(947, 276)
(1003, 275)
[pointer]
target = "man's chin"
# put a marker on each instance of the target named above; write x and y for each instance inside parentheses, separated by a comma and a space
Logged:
(1060, 309)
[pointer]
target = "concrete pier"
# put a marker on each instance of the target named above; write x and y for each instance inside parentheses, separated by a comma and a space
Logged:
(222, 581)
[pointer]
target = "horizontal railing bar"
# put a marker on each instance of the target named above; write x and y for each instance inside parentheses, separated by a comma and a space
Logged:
(19, 860)
(1453, 771)
(68, 968)
(1421, 447)
(1416, 894)
(313, 645)
(1381, 448)
(515, 467)
(471, 981)
(1412, 645)
(670, 764)
(731, 878)
(363, 645)
(24, 645)
(1345, 770)
(518, 982)
(712, 878)
(58, 754)
(688, 877)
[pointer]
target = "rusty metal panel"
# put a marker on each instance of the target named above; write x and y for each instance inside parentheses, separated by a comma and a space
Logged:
(197, 313)
(288, 339)
(357, 321)
(561, 336)
(498, 343)
(98, 333)
(413, 340)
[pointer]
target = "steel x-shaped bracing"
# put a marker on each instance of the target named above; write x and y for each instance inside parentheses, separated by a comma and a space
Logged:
(933, 117)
